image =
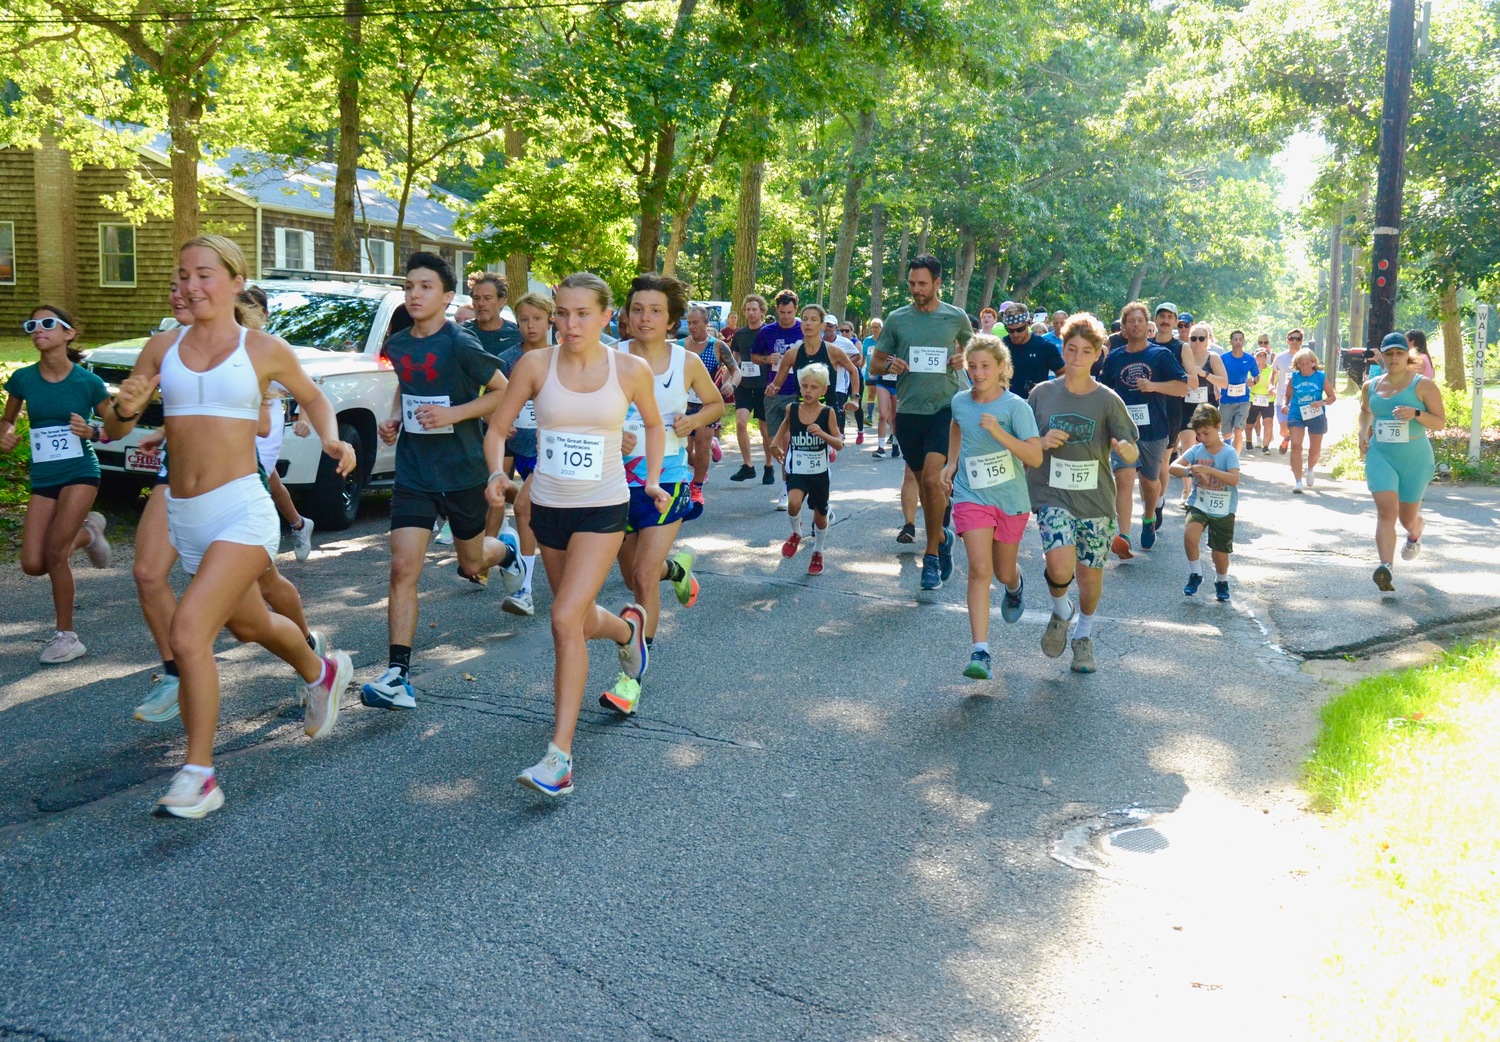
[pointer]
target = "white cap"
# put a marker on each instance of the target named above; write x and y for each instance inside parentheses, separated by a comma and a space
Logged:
(830, 320)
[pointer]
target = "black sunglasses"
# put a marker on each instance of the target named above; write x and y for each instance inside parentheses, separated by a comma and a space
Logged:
(1294, 339)
(1196, 338)
(31, 325)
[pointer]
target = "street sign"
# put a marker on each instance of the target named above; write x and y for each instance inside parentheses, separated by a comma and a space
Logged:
(1481, 338)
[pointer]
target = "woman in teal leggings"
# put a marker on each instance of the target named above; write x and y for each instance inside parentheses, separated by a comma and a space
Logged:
(1396, 411)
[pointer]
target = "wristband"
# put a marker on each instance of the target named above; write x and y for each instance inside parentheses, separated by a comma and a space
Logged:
(496, 474)
(114, 404)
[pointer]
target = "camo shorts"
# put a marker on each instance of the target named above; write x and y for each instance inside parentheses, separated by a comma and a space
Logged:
(1090, 535)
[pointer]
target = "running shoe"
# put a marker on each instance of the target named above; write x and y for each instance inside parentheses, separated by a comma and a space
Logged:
(1121, 548)
(519, 604)
(444, 534)
(391, 690)
(318, 643)
(191, 795)
(553, 776)
(635, 654)
(932, 578)
(63, 647)
(1011, 606)
(908, 534)
(302, 538)
(513, 575)
(1221, 591)
(895, 451)
(98, 546)
(1158, 515)
(745, 473)
(815, 566)
(1297, 488)
(1083, 655)
(979, 666)
(768, 475)
(859, 439)
(833, 455)
(780, 503)
(1195, 580)
(623, 696)
(1286, 443)
(686, 588)
(878, 454)
(1148, 535)
(716, 450)
(1383, 579)
(478, 579)
(695, 493)
(789, 548)
(1410, 549)
(1312, 479)
(1265, 450)
(322, 697)
(161, 700)
(945, 555)
(1055, 636)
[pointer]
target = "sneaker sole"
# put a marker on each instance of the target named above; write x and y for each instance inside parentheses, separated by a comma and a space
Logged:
(82, 651)
(536, 786)
(511, 608)
(639, 636)
(214, 801)
(1383, 580)
(976, 672)
(619, 705)
(160, 718)
(343, 673)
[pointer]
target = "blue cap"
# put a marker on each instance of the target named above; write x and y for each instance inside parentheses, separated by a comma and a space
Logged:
(1394, 341)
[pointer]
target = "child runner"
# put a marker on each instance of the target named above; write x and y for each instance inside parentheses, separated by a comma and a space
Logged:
(992, 435)
(534, 318)
(809, 430)
(1308, 391)
(1073, 491)
(1214, 467)
(59, 395)
(1262, 399)
(579, 499)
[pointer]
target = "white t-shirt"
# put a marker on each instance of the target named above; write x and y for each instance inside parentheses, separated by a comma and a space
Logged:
(1281, 365)
(841, 383)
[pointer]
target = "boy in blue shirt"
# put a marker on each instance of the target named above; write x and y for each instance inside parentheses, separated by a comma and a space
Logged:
(1214, 467)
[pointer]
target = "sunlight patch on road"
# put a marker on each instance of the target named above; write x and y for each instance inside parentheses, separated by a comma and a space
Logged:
(445, 793)
(849, 715)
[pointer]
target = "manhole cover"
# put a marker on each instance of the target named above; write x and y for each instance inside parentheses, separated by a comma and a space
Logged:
(1141, 840)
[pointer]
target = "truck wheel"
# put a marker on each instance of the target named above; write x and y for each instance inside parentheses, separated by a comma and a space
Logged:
(333, 502)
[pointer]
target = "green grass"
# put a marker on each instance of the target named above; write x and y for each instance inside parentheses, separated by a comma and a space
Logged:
(1408, 766)
(1450, 446)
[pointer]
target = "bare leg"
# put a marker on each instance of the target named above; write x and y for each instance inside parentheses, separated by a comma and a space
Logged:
(643, 565)
(408, 554)
(1410, 515)
(1090, 589)
(53, 529)
(934, 499)
(1297, 433)
(742, 433)
(909, 497)
(1387, 509)
(283, 598)
(283, 500)
(154, 557)
(977, 543)
(1125, 478)
(1314, 449)
(576, 576)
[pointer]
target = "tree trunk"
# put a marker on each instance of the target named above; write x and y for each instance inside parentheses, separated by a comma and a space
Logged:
(183, 114)
(922, 235)
(903, 255)
(1136, 283)
(843, 257)
(991, 273)
(964, 272)
(747, 230)
(1042, 274)
(1002, 280)
(346, 165)
(716, 270)
(1331, 342)
(822, 249)
(677, 233)
(1453, 336)
(877, 259)
(788, 264)
(1356, 298)
(653, 196)
(517, 264)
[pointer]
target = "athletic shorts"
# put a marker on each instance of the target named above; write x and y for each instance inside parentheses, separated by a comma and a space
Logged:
(776, 411)
(1150, 459)
(1316, 425)
(1008, 527)
(1220, 529)
(240, 512)
(1178, 415)
(643, 512)
(1089, 536)
(524, 466)
(888, 384)
(751, 400)
(53, 491)
(268, 448)
(465, 510)
(1259, 412)
(1233, 415)
(1403, 469)
(815, 487)
(554, 526)
(919, 436)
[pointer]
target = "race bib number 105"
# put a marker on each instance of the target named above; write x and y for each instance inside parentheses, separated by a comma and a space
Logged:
(579, 457)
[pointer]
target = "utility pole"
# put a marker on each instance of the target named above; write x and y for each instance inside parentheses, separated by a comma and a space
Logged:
(1391, 180)
(1331, 345)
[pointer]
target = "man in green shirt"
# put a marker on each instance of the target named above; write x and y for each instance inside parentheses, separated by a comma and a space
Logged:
(922, 345)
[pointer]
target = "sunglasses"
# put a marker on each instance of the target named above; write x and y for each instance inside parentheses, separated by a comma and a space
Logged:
(31, 325)
(1195, 339)
(1294, 340)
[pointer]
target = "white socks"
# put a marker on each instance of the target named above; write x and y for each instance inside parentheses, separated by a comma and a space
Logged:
(1083, 627)
(818, 534)
(1062, 607)
(528, 564)
(797, 525)
(982, 645)
(1196, 567)
(202, 772)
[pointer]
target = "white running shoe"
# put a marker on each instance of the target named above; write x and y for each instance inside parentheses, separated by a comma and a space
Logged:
(322, 700)
(1312, 479)
(191, 795)
(443, 534)
(1297, 488)
(161, 700)
(302, 539)
(519, 603)
(63, 647)
(780, 503)
(98, 546)
(1410, 549)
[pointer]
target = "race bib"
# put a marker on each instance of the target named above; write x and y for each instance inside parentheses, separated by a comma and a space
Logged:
(410, 403)
(1260, 399)
(809, 461)
(1074, 475)
(527, 420)
(1213, 502)
(1140, 414)
(50, 444)
(1393, 432)
(671, 443)
(927, 359)
(749, 369)
(579, 457)
(1235, 390)
(989, 470)
(1197, 396)
(1312, 410)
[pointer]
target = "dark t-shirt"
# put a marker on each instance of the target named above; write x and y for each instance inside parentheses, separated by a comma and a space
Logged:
(1036, 360)
(1157, 363)
(742, 342)
(58, 455)
(447, 365)
(496, 341)
(773, 340)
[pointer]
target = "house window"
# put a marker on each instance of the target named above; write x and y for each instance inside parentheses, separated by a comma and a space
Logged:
(294, 249)
(116, 255)
(7, 253)
(377, 257)
(463, 263)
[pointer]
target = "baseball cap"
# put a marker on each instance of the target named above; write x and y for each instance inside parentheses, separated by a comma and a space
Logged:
(1165, 305)
(1394, 342)
(1186, 316)
(830, 320)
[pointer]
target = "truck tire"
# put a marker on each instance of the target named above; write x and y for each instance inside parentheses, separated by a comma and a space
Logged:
(333, 502)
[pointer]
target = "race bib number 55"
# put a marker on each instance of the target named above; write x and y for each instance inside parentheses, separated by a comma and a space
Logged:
(927, 359)
(579, 457)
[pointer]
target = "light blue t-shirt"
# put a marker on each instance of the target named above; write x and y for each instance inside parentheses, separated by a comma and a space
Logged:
(988, 474)
(1209, 496)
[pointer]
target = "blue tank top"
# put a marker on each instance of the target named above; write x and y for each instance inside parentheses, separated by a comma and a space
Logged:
(1383, 410)
(1306, 390)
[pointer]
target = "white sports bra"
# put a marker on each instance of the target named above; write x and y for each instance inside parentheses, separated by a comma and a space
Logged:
(230, 389)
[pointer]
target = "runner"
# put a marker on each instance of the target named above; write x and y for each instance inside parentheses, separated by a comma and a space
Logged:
(1177, 338)
(1241, 372)
(885, 406)
(1421, 356)
(1262, 416)
(534, 320)
(1214, 467)
(1147, 375)
(1059, 319)
(1282, 365)
(923, 345)
(59, 396)
(806, 443)
(1395, 413)
(1034, 358)
(655, 305)
(847, 389)
(1205, 379)
(488, 292)
(213, 376)
(1308, 392)
(810, 348)
(988, 317)
(1084, 426)
(440, 369)
(750, 392)
(992, 435)
(719, 363)
(580, 501)
(771, 343)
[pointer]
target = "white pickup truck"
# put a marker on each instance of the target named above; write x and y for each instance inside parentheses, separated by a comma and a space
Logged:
(337, 328)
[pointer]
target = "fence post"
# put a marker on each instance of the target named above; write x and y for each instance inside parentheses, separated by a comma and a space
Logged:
(1481, 335)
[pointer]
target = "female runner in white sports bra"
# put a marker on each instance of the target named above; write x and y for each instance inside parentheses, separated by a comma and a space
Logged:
(580, 392)
(220, 517)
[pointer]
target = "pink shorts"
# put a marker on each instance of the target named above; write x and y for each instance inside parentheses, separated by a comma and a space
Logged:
(1008, 527)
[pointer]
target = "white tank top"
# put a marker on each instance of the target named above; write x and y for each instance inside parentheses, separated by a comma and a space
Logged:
(230, 389)
(578, 460)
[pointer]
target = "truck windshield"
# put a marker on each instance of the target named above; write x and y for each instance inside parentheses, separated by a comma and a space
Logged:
(322, 320)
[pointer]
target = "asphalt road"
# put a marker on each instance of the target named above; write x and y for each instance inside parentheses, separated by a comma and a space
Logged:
(815, 827)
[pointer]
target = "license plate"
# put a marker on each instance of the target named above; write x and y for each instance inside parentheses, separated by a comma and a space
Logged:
(143, 461)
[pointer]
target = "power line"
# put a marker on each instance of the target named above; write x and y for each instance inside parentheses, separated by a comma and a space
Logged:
(304, 13)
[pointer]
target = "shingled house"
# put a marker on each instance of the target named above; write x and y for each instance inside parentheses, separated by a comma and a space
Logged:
(60, 244)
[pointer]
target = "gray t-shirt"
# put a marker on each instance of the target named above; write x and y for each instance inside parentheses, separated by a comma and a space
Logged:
(1076, 476)
(947, 328)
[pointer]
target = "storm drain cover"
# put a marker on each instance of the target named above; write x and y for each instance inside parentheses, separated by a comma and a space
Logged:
(1141, 840)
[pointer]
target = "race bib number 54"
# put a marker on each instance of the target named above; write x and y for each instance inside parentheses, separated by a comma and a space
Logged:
(579, 457)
